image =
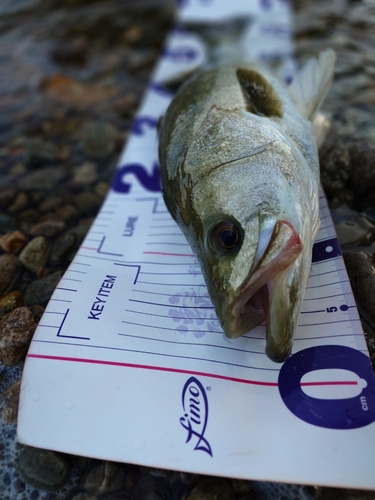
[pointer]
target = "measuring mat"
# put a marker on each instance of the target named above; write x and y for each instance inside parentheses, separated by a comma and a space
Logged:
(129, 362)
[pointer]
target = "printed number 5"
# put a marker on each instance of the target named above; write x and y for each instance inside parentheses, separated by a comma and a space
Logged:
(331, 309)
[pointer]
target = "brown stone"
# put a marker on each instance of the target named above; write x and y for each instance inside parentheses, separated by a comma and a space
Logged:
(11, 398)
(20, 203)
(10, 301)
(48, 228)
(33, 256)
(12, 242)
(16, 331)
(8, 271)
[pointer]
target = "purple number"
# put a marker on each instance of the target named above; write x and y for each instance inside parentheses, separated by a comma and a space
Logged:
(150, 181)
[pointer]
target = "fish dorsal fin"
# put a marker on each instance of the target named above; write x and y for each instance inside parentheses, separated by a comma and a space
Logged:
(312, 83)
(260, 96)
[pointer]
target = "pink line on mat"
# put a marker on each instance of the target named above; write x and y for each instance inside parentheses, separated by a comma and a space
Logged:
(148, 367)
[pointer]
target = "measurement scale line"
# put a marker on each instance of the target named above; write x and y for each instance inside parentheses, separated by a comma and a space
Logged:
(310, 312)
(165, 234)
(330, 322)
(167, 284)
(327, 272)
(167, 254)
(329, 336)
(74, 271)
(71, 279)
(53, 312)
(167, 329)
(80, 264)
(169, 274)
(170, 305)
(170, 317)
(66, 289)
(327, 284)
(163, 227)
(167, 243)
(165, 294)
(329, 296)
(191, 343)
(156, 368)
(61, 300)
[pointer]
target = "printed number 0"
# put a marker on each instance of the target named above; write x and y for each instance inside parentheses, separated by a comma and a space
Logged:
(150, 181)
(349, 413)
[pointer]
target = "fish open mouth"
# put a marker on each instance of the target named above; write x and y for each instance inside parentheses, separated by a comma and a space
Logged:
(265, 295)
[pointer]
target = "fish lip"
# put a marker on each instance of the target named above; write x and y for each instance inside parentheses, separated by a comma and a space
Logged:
(250, 307)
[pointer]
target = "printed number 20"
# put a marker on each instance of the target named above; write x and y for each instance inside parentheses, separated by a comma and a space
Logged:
(150, 181)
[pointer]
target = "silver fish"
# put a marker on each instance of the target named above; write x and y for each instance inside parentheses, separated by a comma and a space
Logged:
(240, 176)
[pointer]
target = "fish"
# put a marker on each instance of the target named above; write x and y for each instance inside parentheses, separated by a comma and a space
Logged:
(240, 176)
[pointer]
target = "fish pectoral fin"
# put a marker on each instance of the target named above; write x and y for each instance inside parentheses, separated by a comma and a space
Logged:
(312, 83)
(260, 97)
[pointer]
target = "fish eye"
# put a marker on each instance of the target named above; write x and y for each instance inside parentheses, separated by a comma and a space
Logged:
(225, 237)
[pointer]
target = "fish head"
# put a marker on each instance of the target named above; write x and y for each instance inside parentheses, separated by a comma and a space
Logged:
(253, 236)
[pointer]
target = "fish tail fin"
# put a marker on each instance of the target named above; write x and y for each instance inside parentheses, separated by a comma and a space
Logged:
(312, 83)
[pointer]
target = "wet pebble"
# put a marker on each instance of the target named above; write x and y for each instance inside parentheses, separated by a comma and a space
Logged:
(10, 301)
(40, 153)
(67, 212)
(87, 203)
(150, 487)
(44, 179)
(212, 489)
(19, 203)
(51, 204)
(7, 195)
(99, 139)
(361, 271)
(12, 242)
(16, 331)
(40, 291)
(33, 256)
(10, 398)
(62, 247)
(43, 468)
(8, 271)
(85, 174)
(48, 228)
(107, 477)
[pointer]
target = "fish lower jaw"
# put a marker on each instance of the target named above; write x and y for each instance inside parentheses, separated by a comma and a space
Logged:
(246, 315)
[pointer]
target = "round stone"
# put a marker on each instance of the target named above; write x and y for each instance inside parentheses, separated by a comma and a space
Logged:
(16, 331)
(43, 469)
(33, 256)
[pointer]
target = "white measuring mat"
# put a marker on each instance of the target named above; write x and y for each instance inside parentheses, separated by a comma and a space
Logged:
(129, 362)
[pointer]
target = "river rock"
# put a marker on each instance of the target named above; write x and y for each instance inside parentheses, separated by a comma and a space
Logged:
(109, 476)
(48, 228)
(44, 179)
(67, 212)
(149, 487)
(16, 331)
(51, 204)
(87, 203)
(8, 271)
(86, 173)
(19, 203)
(33, 256)
(40, 291)
(7, 195)
(212, 489)
(10, 301)
(99, 139)
(11, 397)
(40, 153)
(43, 468)
(361, 271)
(12, 242)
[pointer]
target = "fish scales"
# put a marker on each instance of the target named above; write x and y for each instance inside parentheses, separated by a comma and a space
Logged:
(240, 176)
